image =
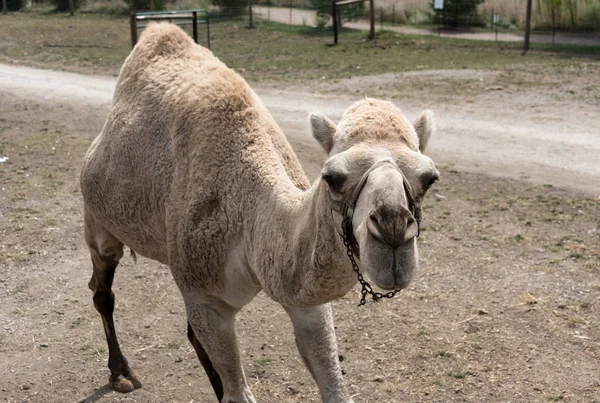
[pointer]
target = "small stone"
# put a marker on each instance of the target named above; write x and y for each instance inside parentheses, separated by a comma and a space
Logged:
(378, 379)
(178, 359)
(482, 312)
(341, 358)
(25, 387)
(43, 344)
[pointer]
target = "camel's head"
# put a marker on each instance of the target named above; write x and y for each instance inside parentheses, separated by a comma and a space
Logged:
(377, 169)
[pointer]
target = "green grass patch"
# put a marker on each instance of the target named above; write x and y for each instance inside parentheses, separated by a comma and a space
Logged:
(261, 362)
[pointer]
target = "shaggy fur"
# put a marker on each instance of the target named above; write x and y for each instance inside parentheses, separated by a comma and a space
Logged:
(191, 170)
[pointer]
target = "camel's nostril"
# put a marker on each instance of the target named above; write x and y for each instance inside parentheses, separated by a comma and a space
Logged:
(392, 227)
(373, 218)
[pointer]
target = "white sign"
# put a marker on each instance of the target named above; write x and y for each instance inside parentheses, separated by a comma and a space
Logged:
(496, 18)
(438, 4)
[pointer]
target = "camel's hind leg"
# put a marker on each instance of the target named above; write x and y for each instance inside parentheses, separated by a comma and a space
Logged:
(213, 376)
(106, 251)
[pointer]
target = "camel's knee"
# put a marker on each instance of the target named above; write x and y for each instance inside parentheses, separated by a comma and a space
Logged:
(106, 252)
(103, 273)
(104, 301)
(105, 248)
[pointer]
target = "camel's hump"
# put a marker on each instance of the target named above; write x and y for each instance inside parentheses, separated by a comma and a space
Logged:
(163, 40)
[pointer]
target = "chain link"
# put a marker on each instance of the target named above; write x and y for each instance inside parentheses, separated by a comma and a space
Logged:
(351, 245)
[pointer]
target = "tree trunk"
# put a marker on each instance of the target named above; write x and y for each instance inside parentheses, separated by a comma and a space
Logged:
(4, 7)
(72, 7)
(250, 16)
(572, 7)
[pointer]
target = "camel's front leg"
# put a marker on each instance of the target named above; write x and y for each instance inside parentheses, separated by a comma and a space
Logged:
(213, 337)
(315, 338)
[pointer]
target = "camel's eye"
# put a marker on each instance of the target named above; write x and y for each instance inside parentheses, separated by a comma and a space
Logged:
(335, 180)
(429, 180)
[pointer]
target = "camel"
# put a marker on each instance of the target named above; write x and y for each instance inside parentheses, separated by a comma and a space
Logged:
(191, 170)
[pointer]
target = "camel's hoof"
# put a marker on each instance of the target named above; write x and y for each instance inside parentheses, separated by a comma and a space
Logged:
(126, 385)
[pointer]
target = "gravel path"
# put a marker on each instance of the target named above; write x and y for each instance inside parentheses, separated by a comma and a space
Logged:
(562, 151)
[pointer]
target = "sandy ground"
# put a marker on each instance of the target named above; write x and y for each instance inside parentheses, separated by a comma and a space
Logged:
(504, 308)
(296, 16)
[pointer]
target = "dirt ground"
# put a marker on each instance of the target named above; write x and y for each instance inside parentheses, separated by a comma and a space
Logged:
(505, 306)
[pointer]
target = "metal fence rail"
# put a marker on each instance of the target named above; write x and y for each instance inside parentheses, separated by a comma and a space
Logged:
(348, 10)
(181, 18)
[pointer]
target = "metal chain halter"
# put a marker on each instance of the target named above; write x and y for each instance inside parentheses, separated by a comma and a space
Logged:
(350, 242)
(366, 287)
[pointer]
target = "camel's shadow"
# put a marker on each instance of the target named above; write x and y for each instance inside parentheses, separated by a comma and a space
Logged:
(97, 394)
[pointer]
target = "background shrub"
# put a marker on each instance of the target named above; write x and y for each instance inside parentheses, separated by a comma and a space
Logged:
(323, 8)
(459, 12)
(111, 7)
(63, 5)
(231, 7)
(144, 5)
(14, 5)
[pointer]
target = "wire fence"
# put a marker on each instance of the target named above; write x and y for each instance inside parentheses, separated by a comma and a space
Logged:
(493, 20)
(569, 22)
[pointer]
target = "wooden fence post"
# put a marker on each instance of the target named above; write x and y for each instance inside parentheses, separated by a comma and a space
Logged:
(195, 26)
(4, 7)
(250, 19)
(334, 20)
(527, 27)
(133, 28)
(72, 7)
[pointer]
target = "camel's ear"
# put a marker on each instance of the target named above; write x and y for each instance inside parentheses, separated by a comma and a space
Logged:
(424, 127)
(323, 130)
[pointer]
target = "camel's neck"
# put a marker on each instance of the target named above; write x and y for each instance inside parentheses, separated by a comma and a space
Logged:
(295, 249)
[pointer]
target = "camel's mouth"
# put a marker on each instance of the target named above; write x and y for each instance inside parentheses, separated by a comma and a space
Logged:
(390, 268)
(395, 284)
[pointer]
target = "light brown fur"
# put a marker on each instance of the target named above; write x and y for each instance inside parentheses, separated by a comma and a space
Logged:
(191, 170)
